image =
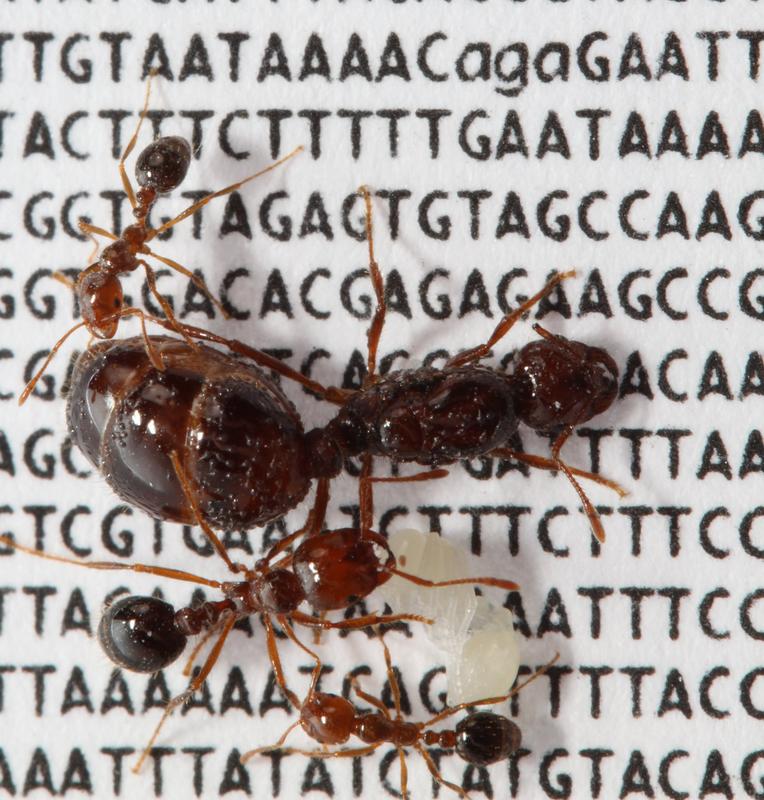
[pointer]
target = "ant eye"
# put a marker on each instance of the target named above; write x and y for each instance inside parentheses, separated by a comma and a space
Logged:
(139, 634)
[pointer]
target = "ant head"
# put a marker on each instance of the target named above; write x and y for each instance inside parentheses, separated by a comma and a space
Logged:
(484, 738)
(340, 567)
(163, 164)
(278, 591)
(101, 300)
(140, 634)
(559, 382)
(327, 718)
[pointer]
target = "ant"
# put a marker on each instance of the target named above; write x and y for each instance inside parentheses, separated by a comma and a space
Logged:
(465, 409)
(160, 168)
(330, 571)
(481, 738)
(211, 436)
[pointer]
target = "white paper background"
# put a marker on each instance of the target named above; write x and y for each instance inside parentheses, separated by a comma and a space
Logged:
(335, 175)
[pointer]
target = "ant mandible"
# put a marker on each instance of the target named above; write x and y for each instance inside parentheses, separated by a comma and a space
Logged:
(481, 738)
(160, 168)
(329, 571)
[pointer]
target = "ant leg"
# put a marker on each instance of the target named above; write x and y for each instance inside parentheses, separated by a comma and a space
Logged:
(208, 634)
(331, 393)
(501, 330)
(192, 209)
(556, 463)
(391, 677)
(404, 774)
(125, 312)
(94, 230)
(271, 747)
(396, 692)
(149, 569)
(317, 515)
(131, 144)
(375, 701)
(365, 494)
(427, 475)
(312, 525)
(192, 687)
(91, 231)
(289, 630)
(212, 537)
(491, 701)
(366, 621)
(316, 674)
(591, 512)
(275, 658)
(61, 278)
(195, 279)
(498, 583)
(378, 320)
(550, 464)
(435, 772)
(366, 481)
(350, 752)
(151, 279)
(317, 632)
(154, 357)
(29, 388)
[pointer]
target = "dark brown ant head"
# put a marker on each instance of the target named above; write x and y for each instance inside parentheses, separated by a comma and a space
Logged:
(558, 382)
(484, 738)
(162, 165)
(278, 591)
(101, 300)
(140, 634)
(327, 718)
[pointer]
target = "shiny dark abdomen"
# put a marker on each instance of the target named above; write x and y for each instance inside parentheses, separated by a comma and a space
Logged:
(238, 438)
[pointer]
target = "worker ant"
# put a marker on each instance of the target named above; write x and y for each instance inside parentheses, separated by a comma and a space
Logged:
(330, 571)
(159, 169)
(481, 738)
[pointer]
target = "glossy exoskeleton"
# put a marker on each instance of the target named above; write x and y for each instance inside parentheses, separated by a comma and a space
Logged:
(212, 434)
(160, 168)
(328, 571)
(238, 439)
(481, 738)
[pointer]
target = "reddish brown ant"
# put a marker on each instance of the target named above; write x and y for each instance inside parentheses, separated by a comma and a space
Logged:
(212, 436)
(438, 416)
(329, 571)
(160, 168)
(481, 738)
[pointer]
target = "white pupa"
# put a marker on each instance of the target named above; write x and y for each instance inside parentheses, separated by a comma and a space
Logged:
(477, 638)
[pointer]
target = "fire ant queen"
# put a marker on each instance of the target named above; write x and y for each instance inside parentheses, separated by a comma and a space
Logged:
(182, 430)
(211, 436)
